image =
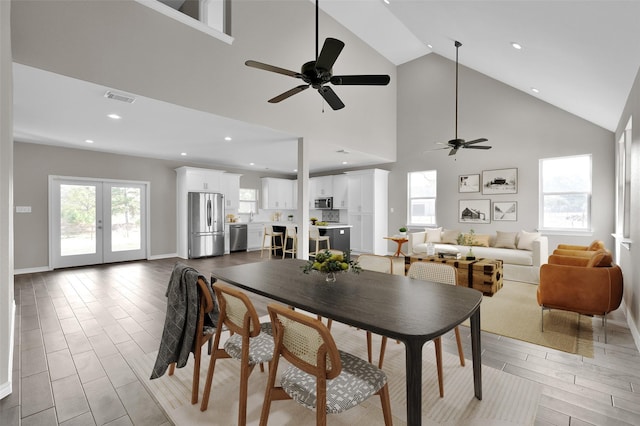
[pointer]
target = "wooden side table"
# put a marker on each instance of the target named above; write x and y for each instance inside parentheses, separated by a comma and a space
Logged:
(400, 241)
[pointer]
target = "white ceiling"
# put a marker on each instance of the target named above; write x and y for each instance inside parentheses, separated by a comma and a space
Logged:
(582, 55)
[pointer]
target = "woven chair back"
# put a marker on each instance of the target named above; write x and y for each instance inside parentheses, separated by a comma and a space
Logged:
(304, 341)
(236, 311)
(431, 271)
(376, 263)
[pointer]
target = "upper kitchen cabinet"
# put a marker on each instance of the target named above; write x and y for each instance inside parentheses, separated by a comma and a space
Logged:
(200, 180)
(231, 190)
(321, 187)
(368, 203)
(340, 192)
(277, 194)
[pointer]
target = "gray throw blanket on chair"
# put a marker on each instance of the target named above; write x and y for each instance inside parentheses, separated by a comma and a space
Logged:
(182, 317)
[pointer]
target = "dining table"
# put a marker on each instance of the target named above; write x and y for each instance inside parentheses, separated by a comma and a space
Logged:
(411, 311)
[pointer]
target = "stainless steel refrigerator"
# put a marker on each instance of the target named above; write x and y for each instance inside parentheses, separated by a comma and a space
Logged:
(206, 224)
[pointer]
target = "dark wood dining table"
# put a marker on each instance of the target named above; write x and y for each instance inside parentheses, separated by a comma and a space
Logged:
(395, 306)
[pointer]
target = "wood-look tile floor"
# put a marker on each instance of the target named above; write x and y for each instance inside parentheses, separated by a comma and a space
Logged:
(77, 328)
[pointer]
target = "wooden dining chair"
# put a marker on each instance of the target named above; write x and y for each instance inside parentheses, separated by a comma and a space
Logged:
(376, 263)
(446, 274)
(250, 342)
(204, 334)
(320, 377)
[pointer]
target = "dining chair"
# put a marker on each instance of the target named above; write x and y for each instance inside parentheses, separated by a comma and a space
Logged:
(376, 263)
(440, 273)
(291, 233)
(320, 376)
(314, 235)
(250, 342)
(204, 333)
(269, 236)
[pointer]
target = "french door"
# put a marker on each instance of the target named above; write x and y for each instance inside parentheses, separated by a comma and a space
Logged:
(96, 221)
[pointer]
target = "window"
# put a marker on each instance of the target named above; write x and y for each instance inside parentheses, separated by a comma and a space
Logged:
(422, 198)
(623, 182)
(248, 201)
(565, 193)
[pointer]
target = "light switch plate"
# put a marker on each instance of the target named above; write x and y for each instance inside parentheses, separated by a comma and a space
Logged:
(23, 209)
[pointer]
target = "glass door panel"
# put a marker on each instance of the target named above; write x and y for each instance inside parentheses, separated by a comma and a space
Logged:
(125, 222)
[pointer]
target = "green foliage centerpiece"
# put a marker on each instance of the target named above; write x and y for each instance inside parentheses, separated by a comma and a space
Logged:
(468, 240)
(331, 263)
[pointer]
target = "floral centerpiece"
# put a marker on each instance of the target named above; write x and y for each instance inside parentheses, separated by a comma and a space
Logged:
(331, 263)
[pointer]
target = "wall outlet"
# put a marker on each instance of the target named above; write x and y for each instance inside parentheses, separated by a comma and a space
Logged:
(23, 209)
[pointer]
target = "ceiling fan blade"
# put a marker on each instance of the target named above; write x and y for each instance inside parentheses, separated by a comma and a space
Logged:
(453, 151)
(476, 141)
(267, 67)
(288, 93)
(330, 96)
(478, 147)
(329, 53)
(354, 80)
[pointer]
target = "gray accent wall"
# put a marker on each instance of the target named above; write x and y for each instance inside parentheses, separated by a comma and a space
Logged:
(520, 128)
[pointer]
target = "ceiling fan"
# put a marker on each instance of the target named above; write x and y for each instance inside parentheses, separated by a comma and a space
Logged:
(318, 73)
(456, 143)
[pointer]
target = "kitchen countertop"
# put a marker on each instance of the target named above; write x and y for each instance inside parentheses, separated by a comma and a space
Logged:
(330, 225)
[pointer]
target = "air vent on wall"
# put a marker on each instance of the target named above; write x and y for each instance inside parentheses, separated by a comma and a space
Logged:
(119, 97)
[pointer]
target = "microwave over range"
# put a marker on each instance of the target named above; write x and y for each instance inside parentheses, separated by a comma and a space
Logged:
(324, 203)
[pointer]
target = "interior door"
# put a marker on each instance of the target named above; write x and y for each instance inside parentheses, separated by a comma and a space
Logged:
(93, 222)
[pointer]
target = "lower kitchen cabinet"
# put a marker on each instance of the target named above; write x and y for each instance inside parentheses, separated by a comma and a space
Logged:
(254, 236)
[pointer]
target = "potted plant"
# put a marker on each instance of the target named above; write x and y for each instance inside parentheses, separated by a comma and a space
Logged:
(313, 220)
(468, 240)
(290, 217)
(403, 231)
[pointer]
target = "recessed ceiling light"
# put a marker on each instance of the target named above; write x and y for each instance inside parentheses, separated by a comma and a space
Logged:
(295, 170)
(516, 46)
(429, 46)
(114, 116)
(344, 162)
(535, 90)
(386, 1)
(88, 141)
(183, 154)
(252, 164)
(227, 138)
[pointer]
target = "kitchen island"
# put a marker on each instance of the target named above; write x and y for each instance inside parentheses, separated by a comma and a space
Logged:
(339, 235)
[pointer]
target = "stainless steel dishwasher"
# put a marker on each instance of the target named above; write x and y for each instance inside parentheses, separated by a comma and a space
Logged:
(237, 237)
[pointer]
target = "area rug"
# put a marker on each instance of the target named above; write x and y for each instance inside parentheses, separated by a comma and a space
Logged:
(514, 312)
(507, 399)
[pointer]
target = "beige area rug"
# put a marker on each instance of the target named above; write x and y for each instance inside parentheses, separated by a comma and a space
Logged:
(514, 312)
(507, 399)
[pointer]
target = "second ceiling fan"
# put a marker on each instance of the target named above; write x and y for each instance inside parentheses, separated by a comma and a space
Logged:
(456, 143)
(319, 73)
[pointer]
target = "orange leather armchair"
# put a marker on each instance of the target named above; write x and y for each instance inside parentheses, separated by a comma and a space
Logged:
(588, 286)
(579, 251)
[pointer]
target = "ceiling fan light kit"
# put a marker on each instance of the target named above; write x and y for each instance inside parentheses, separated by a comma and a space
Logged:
(319, 73)
(456, 143)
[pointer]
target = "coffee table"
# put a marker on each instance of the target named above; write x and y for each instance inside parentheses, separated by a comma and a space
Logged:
(482, 274)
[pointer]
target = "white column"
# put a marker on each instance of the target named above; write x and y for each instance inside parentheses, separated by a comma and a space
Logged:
(303, 200)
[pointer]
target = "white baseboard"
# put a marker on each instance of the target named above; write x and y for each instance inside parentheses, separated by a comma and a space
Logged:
(632, 326)
(163, 256)
(31, 270)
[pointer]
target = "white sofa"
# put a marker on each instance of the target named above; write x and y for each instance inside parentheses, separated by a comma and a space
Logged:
(519, 264)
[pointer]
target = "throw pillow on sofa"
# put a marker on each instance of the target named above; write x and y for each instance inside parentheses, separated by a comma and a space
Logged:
(434, 235)
(479, 240)
(506, 239)
(526, 239)
(450, 236)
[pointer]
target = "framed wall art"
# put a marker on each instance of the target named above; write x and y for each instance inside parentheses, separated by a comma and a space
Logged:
(469, 183)
(505, 210)
(501, 181)
(474, 211)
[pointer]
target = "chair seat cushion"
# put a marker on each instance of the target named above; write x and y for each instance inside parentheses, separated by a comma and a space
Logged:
(260, 347)
(357, 381)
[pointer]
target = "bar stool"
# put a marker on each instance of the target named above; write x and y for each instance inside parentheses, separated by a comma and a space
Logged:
(290, 234)
(269, 235)
(314, 235)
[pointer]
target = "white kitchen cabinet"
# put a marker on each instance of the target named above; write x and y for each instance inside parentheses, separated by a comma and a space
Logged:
(340, 191)
(200, 180)
(321, 187)
(254, 236)
(367, 202)
(231, 191)
(277, 194)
